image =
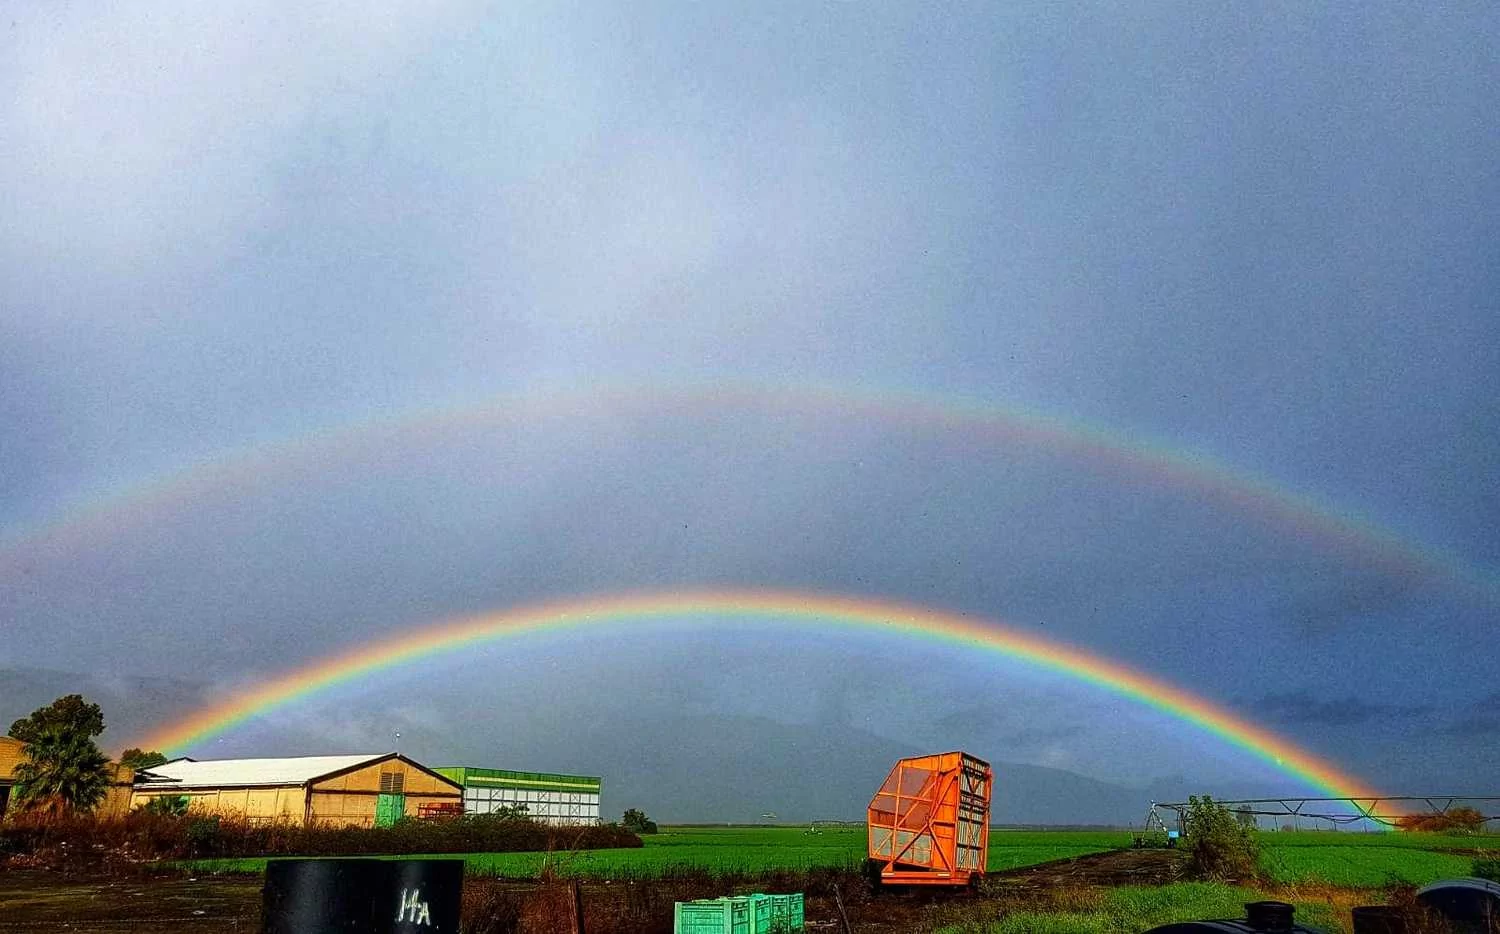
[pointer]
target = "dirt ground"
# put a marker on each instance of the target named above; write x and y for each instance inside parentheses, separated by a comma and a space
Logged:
(1120, 867)
(33, 900)
(44, 901)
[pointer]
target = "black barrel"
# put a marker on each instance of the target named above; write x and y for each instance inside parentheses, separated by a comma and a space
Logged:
(1466, 903)
(1269, 916)
(1380, 919)
(362, 896)
(425, 894)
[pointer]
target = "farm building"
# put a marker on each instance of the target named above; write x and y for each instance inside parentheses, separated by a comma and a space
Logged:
(372, 790)
(116, 798)
(11, 753)
(547, 796)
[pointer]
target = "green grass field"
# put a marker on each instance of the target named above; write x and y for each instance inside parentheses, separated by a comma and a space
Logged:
(1343, 859)
(1383, 840)
(742, 850)
(1128, 909)
(1360, 860)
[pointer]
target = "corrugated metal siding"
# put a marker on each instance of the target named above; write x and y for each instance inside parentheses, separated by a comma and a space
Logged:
(551, 797)
(505, 778)
(220, 773)
(286, 802)
(10, 756)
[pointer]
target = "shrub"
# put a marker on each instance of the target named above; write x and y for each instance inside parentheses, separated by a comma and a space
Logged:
(1487, 869)
(1220, 848)
(1456, 820)
(144, 835)
(636, 821)
(168, 805)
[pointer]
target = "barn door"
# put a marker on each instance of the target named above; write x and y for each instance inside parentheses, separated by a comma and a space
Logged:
(390, 804)
(389, 809)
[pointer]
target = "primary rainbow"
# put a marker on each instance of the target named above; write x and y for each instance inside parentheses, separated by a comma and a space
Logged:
(766, 608)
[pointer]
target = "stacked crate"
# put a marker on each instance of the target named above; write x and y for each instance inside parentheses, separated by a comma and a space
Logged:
(786, 913)
(740, 914)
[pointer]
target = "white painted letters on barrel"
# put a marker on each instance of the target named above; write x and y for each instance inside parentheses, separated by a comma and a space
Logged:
(413, 910)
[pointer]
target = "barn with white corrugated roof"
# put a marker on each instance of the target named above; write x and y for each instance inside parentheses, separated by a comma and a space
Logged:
(357, 790)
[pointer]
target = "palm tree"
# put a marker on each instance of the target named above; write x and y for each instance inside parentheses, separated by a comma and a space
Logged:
(63, 771)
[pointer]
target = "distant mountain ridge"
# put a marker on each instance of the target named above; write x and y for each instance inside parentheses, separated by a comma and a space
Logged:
(680, 768)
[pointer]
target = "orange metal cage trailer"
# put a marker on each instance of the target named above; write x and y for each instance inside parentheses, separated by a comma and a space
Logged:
(929, 824)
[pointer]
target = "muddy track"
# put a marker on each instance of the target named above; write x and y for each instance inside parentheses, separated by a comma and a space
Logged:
(1117, 867)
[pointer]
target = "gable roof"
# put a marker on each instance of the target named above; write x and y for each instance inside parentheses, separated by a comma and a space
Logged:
(216, 773)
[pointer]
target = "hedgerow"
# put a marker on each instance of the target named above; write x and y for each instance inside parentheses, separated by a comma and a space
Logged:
(143, 836)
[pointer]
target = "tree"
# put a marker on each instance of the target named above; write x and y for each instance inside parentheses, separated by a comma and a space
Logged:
(1454, 820)
(71, 714)
(1220, 848)
(636, 821)
(63, 769)
(141, 759)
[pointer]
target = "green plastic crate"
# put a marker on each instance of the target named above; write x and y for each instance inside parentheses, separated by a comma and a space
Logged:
(760, 913)
(742, 914)
(786, 913)
(714, 916)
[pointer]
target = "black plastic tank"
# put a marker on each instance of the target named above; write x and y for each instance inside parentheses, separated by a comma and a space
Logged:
(425, 895)
(1467, 904)
(362, 896)
(1260, 918)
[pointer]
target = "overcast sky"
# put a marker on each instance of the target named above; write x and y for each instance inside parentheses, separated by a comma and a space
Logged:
(251, 253)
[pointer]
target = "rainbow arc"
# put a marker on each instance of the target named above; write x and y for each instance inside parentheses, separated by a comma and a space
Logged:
(767, 608)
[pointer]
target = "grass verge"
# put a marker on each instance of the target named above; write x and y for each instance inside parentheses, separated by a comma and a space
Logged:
(1127, 910)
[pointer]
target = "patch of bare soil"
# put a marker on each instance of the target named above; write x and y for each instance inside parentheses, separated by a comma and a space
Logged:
(1119, 867)
(35, 900)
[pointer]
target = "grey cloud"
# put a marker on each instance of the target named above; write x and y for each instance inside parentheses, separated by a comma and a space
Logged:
(1354, 596)
(1305, 708)
(1256, 243)
(1480, 720)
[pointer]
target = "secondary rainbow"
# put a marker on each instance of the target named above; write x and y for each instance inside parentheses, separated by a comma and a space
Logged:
(103, 516)
(766, 608)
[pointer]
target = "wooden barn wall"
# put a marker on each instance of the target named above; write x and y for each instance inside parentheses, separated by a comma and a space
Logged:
(10, 757)
(286, 802)
(358, 808)
(414, 781)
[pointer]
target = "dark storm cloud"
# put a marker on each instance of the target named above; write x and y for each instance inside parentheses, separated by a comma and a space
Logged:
(1304, 708)
(1352, 597)
(1481, 720)
(1012, 727)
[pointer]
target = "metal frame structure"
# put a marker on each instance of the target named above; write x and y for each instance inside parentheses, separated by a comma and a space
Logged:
(929, 823)
(1387, 810)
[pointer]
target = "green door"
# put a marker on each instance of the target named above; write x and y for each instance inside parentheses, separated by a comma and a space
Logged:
(389, 809)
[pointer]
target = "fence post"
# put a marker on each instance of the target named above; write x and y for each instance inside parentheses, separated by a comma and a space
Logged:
(577, 908)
